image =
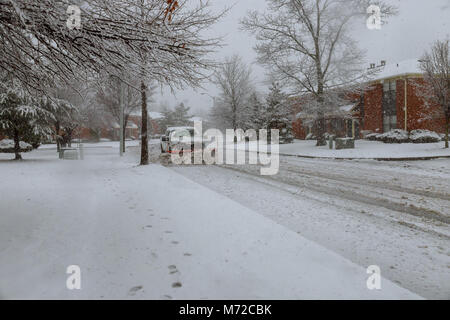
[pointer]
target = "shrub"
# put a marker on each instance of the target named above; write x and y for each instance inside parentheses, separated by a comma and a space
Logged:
(424, 136)
(402, 136)
(394, 136)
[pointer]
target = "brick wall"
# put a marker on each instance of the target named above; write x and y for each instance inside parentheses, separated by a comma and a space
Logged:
(299, 130)
(373, 109)
(419, 115)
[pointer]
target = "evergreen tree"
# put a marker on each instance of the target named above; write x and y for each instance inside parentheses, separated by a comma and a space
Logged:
(168, 118)
(256, 115)
(181, 115)
(22, 117)
(278, 113)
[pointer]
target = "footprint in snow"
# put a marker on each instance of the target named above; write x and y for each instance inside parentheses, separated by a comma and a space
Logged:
(134, 290)
(177, 285)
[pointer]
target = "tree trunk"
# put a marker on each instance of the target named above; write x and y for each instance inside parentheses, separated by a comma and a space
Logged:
(446, 134)
(58, 143)
(144, 126)
(321, 141)
(69, 137)
(125, 123)
(17, 145)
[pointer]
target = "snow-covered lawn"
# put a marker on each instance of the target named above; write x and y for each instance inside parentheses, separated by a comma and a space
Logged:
(363, 150)
(148, 232)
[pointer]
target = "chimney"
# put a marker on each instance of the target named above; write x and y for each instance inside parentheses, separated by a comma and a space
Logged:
(383, 63)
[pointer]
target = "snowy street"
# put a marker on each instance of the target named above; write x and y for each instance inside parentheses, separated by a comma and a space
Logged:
(392, 214)
(149, 233)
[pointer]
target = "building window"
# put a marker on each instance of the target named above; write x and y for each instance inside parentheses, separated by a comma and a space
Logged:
(389, 105)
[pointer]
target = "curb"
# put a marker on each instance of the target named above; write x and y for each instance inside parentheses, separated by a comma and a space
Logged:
(377, 159)
(351, 158)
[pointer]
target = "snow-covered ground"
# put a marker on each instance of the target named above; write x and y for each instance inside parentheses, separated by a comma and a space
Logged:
(363, 149)
(392, 214)
(148, 232)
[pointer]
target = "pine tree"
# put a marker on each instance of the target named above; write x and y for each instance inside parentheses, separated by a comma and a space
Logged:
(181, 115)
(278, 113)
(168, 118)
(22, 117)
(257, 112)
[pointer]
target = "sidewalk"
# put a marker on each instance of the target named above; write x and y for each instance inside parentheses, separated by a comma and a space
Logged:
(150, 233)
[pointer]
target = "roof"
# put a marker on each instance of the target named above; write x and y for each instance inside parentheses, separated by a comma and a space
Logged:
(403, 68)
(347, 108)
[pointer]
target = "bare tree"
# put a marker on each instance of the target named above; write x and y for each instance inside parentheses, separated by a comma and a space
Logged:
(233, 80)
(306, 45)
(108, 96)
(159, 40)
(436, 89)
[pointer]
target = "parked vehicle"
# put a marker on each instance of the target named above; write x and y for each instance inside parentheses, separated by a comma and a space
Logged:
(182, 139)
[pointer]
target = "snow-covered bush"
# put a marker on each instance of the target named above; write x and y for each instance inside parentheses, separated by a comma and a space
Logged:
(402, 136)
(372, 137)
(424, 136)
(7, 146)
(394, 136)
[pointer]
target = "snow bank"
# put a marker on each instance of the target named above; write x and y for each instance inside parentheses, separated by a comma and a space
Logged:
(363, 150)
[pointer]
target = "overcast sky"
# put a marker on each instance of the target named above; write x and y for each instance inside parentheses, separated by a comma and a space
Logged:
(406, 36)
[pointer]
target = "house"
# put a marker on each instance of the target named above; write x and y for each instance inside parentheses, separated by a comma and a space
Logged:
(391, 101)
(111, 128)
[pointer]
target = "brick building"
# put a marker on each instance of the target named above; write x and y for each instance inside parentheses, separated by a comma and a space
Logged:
(111, 129)
(391, 101)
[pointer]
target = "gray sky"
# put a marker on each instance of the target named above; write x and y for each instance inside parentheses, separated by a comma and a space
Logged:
(406, 36)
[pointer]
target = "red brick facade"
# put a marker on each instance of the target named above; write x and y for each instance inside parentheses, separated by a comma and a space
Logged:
(372, 113)
(369, 115)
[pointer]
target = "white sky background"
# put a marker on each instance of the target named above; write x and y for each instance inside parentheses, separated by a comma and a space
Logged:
(406, 36)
